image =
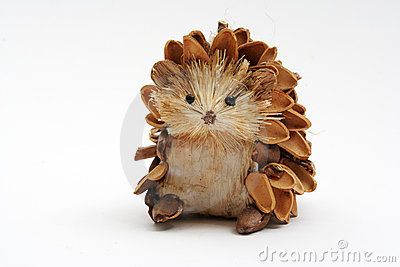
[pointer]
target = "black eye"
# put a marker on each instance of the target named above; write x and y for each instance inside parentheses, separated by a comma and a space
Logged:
(230, 100)
(190, 99)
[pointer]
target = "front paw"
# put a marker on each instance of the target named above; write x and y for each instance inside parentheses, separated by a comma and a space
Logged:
(167, 208)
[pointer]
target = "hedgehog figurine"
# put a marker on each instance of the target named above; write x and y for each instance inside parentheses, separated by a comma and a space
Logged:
(229, 135)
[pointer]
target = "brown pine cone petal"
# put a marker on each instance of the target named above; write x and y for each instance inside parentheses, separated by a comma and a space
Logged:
(251, 220)
(152, 121)
(294, 121)
(192, 50)
(280, 176)
(292, 93)
(146, 152)
(242, 36)
(264, 154)
(303, 133)
(163, 70)
(304, 176)
(173, 51)
(296, 145)
(154, 163)
(273, 132)
(167, 208)
(280, 102)
(198, 35)
(268, 55)
(225, 41)
(143, 185)
(284, 204)
(145, 94)
(252, 51)
(298, 188)
(260, 190)
(293, 212)
(154, 133)
(158, 172)
(299, 108)
(309, 166)
(286, 78)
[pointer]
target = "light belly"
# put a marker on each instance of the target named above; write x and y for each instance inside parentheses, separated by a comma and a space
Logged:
(207, 181)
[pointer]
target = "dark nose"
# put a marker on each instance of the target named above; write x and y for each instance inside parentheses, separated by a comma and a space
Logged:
(209, 118)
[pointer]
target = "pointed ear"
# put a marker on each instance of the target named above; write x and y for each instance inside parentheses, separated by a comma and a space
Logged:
(164, 70)
(262, 82)
(225, 41)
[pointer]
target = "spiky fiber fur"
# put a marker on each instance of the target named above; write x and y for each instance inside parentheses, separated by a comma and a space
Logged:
(208, 162)
(210, 84)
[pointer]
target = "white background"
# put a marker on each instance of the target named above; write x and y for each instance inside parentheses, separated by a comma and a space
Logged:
(69, 71)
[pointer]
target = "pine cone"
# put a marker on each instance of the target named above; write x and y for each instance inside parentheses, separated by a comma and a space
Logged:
(229, 134)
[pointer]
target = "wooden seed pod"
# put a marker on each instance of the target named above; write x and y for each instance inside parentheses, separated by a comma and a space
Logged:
(198, 35)
(280, 176)
(284, 204)
(292, 93)
(145, 152)
(252, 51)
(158, 172)
(167, 208)
(286, 78)
(260, 190)
(268, 55)
(192, 50)
(143, 185)
(154, 163)
(154, 133)
(280, 102)
(173, 51)
(225, 41)
(299, 108)
(294, 121)
(242, 36)
(306, 179)
(298, 188)
(273, 132)
(296, 145)
(251, 220)
(153, 121)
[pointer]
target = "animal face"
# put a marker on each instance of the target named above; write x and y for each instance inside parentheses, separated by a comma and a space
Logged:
(207, 101)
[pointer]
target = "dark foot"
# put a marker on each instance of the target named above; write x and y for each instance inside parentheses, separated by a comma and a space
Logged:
(151, 199)
(251, 220)
(167, 208)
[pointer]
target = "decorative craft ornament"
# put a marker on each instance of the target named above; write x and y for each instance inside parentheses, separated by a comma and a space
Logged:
(229, 133)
